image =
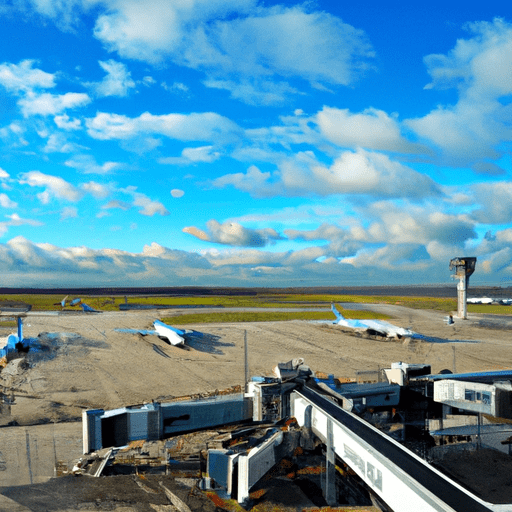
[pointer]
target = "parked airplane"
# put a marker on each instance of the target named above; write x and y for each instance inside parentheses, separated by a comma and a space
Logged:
(488, 300)
(379, 327)
(480, 300)
(166, 332)
(173, 335)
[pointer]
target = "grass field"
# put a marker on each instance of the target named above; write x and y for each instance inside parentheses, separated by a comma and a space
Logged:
(42, 302)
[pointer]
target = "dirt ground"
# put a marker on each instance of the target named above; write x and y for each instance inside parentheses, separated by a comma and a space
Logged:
(83, 362)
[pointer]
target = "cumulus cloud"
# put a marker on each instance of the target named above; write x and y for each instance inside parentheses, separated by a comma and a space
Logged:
(59, 143)
(116, 205)
(5, 202)
(68, 212)
(395, 224)
(23, 77)
(254, 181)
(48, 265)
(16, 220)
(495, 202)
(64, 122)
(238, 44)
(117, 82)
(234, 234)
(97, 190)
(277, 42)
(153, 30)
(370, 129)
(176, 88)
(359, 172)
(194, 126)
(47, 104)
(87, 164)
(479, 69)
(396, 258)
(54, 187)
(147, 206)
(28, 84)
(202, 154)
(341, 242)
(176, 193)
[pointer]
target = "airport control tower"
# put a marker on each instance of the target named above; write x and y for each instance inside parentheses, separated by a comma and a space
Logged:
(464, 267)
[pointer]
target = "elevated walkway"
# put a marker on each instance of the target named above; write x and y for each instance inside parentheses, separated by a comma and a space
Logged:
(397, 476)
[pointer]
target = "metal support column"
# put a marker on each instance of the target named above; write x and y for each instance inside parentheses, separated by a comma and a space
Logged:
(330, 468)
(20, 328)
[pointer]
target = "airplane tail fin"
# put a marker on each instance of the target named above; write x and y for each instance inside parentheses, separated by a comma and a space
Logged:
(339, 316)
(88, 309)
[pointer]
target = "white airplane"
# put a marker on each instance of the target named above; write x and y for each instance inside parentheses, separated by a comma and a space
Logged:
(379, 327)
(173, 335)
(166, 332)
(480, 300)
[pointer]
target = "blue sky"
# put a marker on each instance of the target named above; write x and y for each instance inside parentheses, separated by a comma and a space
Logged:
(254, 143)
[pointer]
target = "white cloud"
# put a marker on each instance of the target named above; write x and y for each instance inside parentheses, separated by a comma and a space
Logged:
(97, 190)
(192, 127)
(234, 234)
(16, 220)
(68, 212)
(495, 202)
(239, 44)
(408, 224)
(88, 165)
(65, 13)
(176, 192)
(64, 122)
(47, 104)
(146, 206)
(23, 77)
(58, 143)
(359, 172)
(116, 204)
(118, 81)
(203, 154)
(254, 92)
(371, 129)
(253, 181)
(472, 130)
(55, 187)
(152, 30)
(176, 88)
(148, 81)
(5, 202)
(278, 42)
(397, 258)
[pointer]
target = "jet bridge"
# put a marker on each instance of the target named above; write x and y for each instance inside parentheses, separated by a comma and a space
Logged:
(397, 476)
